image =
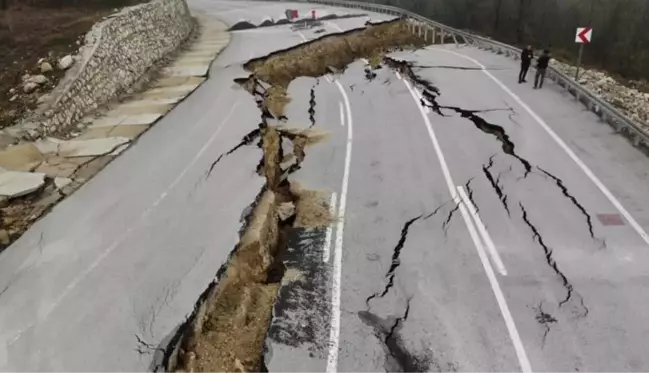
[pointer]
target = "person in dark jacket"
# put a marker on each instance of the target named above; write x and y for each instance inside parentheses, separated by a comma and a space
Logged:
(541, 67)
(526, 60)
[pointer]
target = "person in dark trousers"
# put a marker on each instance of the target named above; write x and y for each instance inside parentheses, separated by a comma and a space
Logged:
(541, 67)
(526, 60)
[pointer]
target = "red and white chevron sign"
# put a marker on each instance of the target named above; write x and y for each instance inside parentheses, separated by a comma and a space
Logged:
(584, 35)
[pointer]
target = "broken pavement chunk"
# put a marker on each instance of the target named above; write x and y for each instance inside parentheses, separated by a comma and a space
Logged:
(16, 184)
(61, 182)
(286, 210)
(91, 147)
(23, 157)
(55, 166)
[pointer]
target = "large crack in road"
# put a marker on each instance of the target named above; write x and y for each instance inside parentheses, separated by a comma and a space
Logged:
(430, 95)
(228, 328)
(571, 294)
(396, 262)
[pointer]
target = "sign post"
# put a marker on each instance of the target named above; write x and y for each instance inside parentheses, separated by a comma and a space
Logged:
(584, 36)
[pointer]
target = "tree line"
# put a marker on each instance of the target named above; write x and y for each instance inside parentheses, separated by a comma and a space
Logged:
(620, 38)
(89, 4)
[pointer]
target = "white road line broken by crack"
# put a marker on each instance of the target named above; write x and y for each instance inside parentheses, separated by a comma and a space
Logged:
(519, 348)
(607, 193)
(334, 332)
(327, 246)
(486, 238)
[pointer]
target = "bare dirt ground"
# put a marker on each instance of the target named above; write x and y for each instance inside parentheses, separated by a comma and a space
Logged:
(47, 29)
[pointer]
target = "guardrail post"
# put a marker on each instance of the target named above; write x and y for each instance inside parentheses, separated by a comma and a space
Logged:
(425, 33)
(441, 36)
(432, 33)
(419, 29)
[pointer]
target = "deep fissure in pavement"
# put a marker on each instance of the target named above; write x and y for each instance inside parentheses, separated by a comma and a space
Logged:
(570, 291)
(396, 262)
(247, 140)
(228, 328)
(567, 194)
(430, 95)
(312, 104)
(469, 191)
(305, 22)
(398, 358)
(446, 223)
(486, 169)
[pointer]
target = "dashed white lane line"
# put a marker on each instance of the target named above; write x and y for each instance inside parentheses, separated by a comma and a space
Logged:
(486, 237)
(493, 280)
(342, 114)
(618, 205)
(327, 247)
(121, 238)
(334, 332)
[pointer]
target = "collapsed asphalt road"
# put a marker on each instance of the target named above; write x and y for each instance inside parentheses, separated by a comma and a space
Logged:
(454, 232)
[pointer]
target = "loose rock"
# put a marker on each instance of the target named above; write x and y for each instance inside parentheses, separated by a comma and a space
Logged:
(66, 62)
(38, 79)
(30, 87)
(46, 67)
(4, 237)
(285, 210)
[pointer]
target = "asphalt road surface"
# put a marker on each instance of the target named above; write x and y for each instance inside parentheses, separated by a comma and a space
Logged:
(502, 228)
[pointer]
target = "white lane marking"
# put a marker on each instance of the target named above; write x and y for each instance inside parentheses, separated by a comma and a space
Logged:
(495, 286)
(618, 205)
(121, 238)
(334, 332)
(398, 75)
(500, 297)
(365, 61)
(328, 79)
(336, 26)
(486, 237)
(342, 114)
(332, 212)
(418, 97)
(302, 35)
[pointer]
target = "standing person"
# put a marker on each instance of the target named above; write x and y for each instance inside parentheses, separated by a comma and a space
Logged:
(541, 68)
(526, 60)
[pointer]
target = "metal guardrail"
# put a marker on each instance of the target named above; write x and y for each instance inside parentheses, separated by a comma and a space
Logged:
(606, 112)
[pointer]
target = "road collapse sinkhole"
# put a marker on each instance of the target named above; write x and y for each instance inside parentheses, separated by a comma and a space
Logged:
(228, 327)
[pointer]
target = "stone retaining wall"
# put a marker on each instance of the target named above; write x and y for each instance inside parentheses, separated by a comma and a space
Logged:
(116, 53)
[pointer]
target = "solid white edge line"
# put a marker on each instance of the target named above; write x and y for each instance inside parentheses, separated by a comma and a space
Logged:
(417, 96)
(493, 281)
(486, 237)
(500, 297)
(334, 332)
(121, 238)
(342, 114)
(327, 245)
(302, 35)
(618, 205)
(398, 75)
